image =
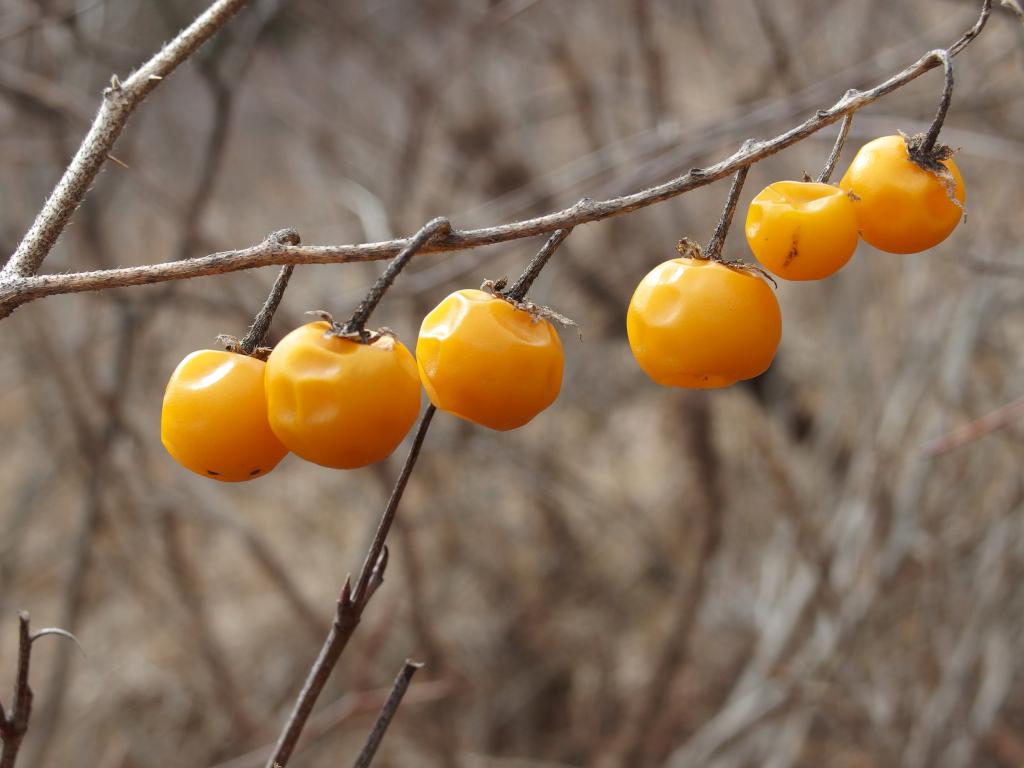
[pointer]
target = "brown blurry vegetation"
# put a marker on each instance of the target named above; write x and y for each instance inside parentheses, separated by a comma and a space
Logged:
(789, 572)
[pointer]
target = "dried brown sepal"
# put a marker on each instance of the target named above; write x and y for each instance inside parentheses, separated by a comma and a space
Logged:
(234, 344)
(339, 331)
(751, 269)
(932, 162)
(535, 311)
(690, 249)
(323, 314)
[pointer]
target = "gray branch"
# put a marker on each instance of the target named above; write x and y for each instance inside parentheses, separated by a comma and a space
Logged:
(119, 101)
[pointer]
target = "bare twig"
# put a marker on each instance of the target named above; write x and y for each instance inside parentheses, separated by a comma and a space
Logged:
(369, 570)
(387, 714)
(976, 429)
(520, 287)
(20, 286)
(261, 324)
(119, 101)
(717, 241)
(947, 96)
(349, 610)
(335, 714)
(14, 726)
(837, 150)
(433, 229)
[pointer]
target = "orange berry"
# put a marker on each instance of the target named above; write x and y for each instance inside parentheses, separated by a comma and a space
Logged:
(901, 208)
(802, 230)
(338, 402)
(214, 417)
(488, 362)
(698, 323)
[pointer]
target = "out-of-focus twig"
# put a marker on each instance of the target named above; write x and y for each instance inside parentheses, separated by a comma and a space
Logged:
(977, 429)
(210, 651)
(387, 714)
(340, 711)
(94, 445)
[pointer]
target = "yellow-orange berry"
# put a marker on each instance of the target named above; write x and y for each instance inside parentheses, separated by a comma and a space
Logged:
(802, 230)
(214, 417)
(338, 402)
(700, 324)
(901, 208)
(486, 361)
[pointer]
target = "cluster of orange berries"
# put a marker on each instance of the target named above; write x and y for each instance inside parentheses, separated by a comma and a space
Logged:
(346, 402)
(698, 322)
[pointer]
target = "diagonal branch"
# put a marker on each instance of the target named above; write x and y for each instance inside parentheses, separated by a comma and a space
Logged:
(119, 101)
(349, 609)
(21, 287)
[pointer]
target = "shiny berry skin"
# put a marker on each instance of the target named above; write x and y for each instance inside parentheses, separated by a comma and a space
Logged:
(214, 417)
(901, 208)
(700, 324)
(802, 230)
(488, 362)
(338, 402)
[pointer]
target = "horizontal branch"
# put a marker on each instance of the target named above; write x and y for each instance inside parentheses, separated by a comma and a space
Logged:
(20, 290)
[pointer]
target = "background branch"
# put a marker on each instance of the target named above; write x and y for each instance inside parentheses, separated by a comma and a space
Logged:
(119, 101)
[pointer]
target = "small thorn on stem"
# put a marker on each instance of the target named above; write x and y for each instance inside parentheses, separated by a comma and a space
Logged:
(345, 598)
(59, 633)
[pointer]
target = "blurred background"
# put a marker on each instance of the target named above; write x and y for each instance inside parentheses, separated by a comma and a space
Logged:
(796, 571)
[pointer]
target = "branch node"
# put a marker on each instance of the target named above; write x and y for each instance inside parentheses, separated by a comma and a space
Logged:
(286, 236)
